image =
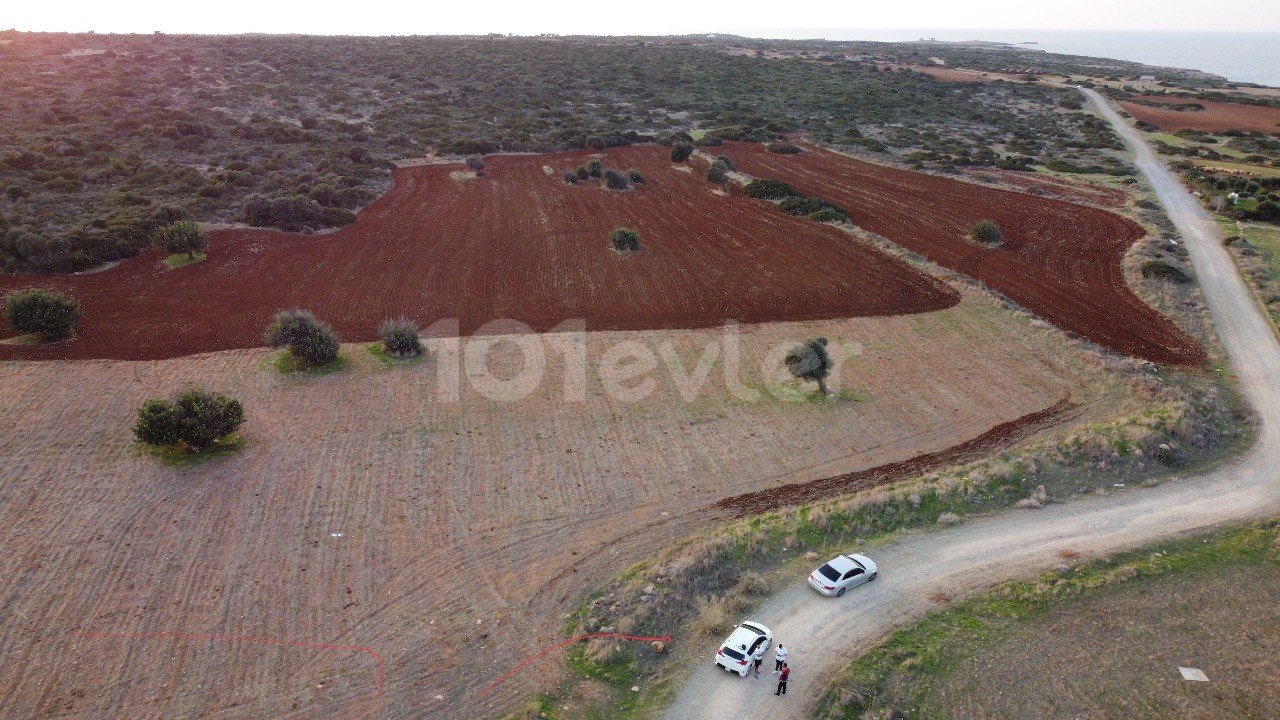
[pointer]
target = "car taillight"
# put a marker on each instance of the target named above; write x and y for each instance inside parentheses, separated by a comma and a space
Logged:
(828, 587)
(742, 662)
(720, 652)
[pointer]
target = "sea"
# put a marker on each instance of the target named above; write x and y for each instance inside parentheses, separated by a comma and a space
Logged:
(1252, 57)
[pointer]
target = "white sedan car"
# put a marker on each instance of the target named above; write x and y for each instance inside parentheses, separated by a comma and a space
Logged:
(842, 573)
(735, 654)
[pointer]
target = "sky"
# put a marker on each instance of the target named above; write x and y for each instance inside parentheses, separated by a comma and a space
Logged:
(756, 18)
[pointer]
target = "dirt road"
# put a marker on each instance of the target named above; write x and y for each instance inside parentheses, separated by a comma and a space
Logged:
(824, 633)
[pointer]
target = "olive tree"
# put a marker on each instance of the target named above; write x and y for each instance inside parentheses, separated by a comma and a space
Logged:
(400, 337)
(195, 417)
(312, 342)
(183, 237)
(47, 312)
(986, 232)
(811, 361)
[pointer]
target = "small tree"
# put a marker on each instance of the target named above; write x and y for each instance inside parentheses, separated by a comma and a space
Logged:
(47, 312)
(986, 232)
(718, 173)
(183, 237)
(196, 417)
(635, 177)
(681, 152)
(400, 337)
(595, 169)
(476, 165)
(811, 361)
(311, 341)
(625, 240)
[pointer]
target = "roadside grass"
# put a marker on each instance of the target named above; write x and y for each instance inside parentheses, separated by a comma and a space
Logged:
(182, 456)
(1102, 639)
(1258, 258)
(181, 260)
(702, 585)
(1259, 170)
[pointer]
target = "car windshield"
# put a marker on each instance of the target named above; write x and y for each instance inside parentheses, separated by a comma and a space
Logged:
(752, 628)
(829, 572)
(732, 653)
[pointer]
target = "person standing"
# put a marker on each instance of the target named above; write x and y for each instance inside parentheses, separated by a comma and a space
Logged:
(758, 658)
(779, 658)
(782, 680)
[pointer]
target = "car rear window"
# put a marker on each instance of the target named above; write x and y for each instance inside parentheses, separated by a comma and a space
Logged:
(752, 628)
(829, 572)
(733, 653)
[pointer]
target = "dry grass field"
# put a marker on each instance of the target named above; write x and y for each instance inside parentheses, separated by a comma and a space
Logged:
(446, 538)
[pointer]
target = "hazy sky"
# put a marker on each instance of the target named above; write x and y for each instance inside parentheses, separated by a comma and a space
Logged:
(605, 17)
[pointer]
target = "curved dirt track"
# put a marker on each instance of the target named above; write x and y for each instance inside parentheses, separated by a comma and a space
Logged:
(517, 243)
(823, 633)
(1061, 261)
(1216, 116)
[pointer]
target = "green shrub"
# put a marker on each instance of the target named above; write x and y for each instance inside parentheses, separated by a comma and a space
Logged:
(635, 177)
(400, 337)
(595, 169)
(312, 342)
(47, 312)
(828, 215)
(183, 237)
(680, 153)
(810, 206)
(986, 232)
(625, 240)
(783, 148)
(196, 417)
(770, 190)
(718, 172)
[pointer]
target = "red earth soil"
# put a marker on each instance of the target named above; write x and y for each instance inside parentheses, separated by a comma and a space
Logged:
(1216, 116)
(518, 243)
(1061, 261)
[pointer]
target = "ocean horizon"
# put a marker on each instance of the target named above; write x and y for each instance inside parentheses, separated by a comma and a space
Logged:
(1251, 57)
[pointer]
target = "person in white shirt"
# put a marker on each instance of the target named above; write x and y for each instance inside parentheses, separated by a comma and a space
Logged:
(758, 657)
(780, 657)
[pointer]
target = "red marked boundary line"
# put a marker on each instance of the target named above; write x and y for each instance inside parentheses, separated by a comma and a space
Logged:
(264, 641)
(557, 646)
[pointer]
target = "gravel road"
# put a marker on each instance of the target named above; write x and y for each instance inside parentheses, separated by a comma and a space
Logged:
(823, 634)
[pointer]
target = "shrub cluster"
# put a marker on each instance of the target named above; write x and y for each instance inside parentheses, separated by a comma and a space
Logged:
(770, 190)
(400, 337)
(310, 341)
(625, 240)
(814, 209)
(681, 152)
(183, 237)
(196, 418)
(1164, 271)
(784, 148)
(47, 312)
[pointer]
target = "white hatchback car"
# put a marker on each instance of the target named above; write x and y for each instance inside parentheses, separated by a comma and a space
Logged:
(735, 654)
(842, 573)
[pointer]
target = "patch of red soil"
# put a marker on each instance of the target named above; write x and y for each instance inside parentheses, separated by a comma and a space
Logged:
(1002, 435)
(1216, 116)
(515, 244)
(1061, 188)
(1060, 260)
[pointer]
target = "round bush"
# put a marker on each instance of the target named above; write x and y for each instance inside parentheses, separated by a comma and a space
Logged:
(47, 312)
(400, 337)
(311, 341)
(680, 153)
(625, 240)
(196, 417)
(986, 232)
(183, 237)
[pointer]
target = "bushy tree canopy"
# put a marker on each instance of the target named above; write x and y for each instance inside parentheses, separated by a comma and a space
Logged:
(811, 361)
(312, 342)
(47, 312)
(195, 417)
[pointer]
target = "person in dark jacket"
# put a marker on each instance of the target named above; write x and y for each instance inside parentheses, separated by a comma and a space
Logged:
(782, 680)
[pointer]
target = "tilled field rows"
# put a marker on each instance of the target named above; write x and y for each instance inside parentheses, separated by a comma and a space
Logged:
(516, 243)
(1062, 261)
(450, 538)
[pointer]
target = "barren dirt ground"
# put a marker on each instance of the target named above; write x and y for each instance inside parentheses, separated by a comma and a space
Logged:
(823, 633)
(446, 539)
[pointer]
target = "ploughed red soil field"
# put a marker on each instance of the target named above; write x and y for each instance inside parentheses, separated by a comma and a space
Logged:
(1216, 116)
(1060, 260)
(518, 243)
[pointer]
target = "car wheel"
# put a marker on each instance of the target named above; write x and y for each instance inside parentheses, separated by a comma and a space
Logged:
(871, 577)
(840, 592)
